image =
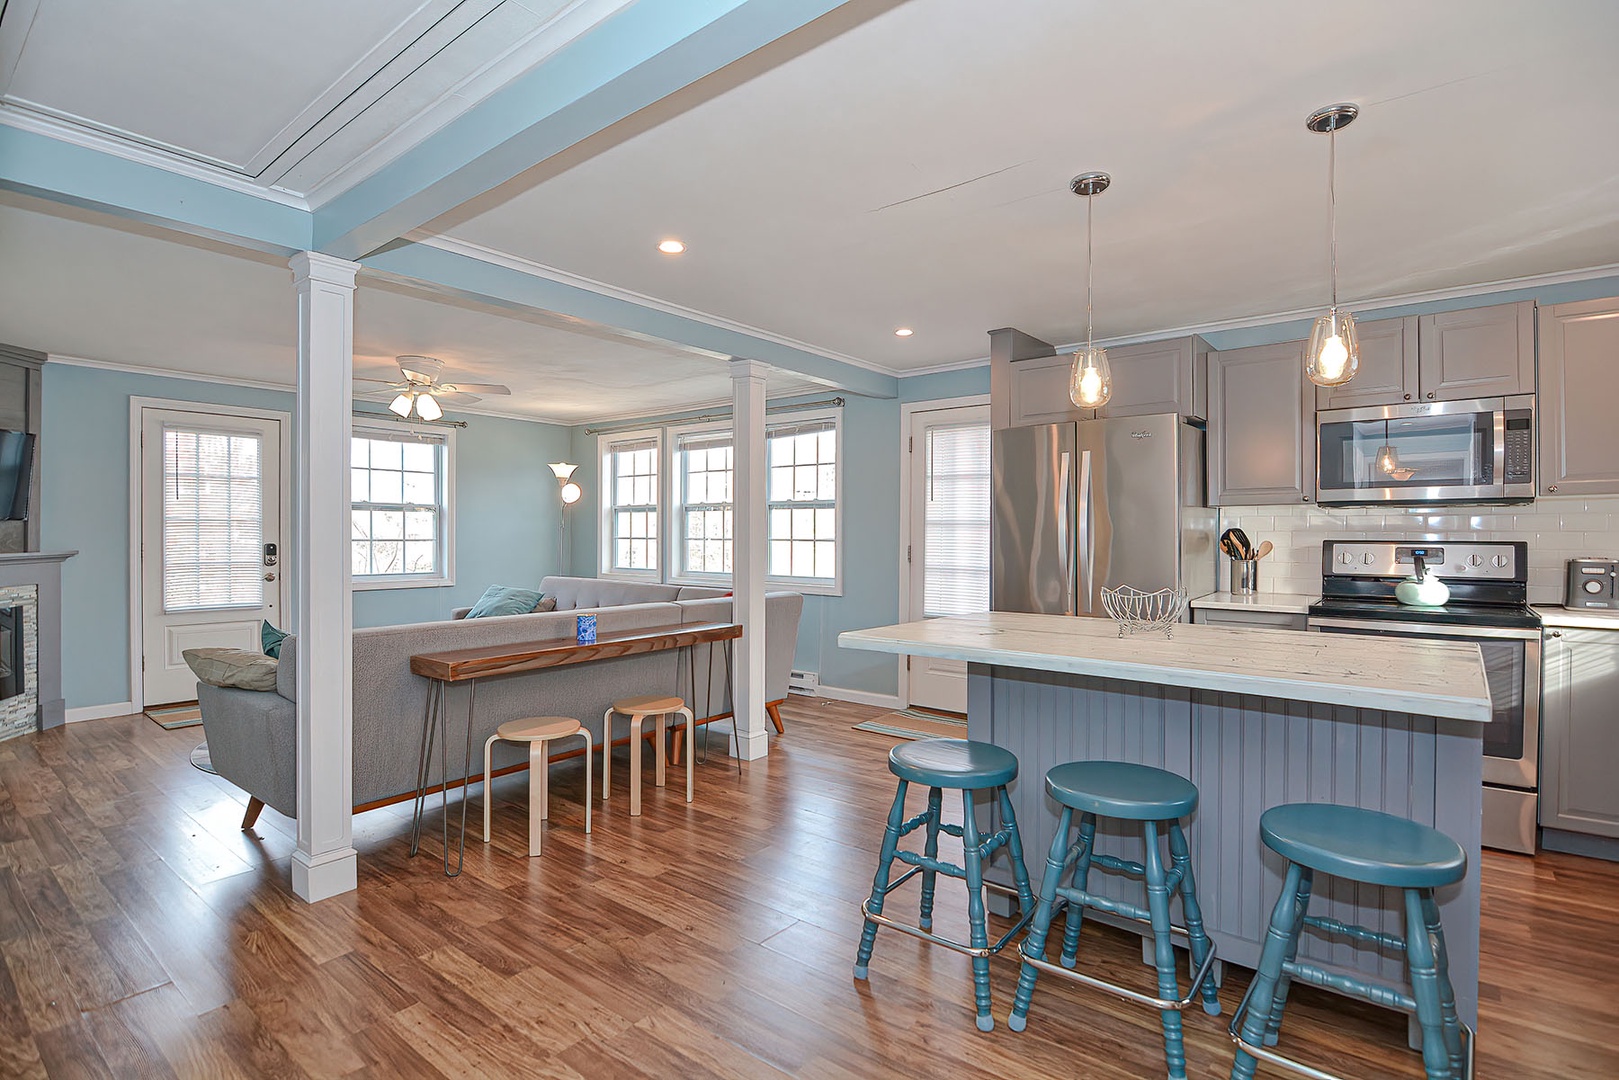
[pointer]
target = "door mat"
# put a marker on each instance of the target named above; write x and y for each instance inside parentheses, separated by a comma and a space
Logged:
(171, 717)
(915, 724)
(200, 758)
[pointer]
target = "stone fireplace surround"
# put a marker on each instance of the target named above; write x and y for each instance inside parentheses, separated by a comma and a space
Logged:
(42, 572)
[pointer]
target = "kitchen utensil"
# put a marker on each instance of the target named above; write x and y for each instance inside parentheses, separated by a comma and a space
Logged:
(1244, 576)
(1135, 610)
(1265, 548)
(1423, 589)
(1234, 543)
(1245, 546)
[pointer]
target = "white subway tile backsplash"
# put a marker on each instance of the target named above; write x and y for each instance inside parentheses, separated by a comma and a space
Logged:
(1556, 530)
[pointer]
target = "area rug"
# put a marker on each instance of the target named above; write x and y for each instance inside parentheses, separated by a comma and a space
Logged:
(915, 724)
(200, 758)
(170, 717)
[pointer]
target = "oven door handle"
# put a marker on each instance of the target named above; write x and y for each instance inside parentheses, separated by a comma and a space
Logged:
(1373, 626)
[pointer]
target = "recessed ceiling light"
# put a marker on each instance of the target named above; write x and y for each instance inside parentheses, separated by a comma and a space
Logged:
(904, 331)
(671, 247)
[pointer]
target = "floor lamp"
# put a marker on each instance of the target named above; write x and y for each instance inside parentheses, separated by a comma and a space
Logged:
(571, 493)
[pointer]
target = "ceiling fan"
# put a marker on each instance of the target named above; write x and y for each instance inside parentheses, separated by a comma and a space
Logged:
(420, 390)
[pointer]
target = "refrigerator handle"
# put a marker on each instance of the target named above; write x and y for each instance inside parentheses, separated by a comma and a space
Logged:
(1064, 508)
(1086, 540)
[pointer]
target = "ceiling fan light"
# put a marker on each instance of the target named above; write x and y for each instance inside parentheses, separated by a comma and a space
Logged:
(427, 407)
(400, 406)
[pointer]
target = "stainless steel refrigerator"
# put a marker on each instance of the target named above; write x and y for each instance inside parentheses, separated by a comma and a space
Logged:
(1098, 503)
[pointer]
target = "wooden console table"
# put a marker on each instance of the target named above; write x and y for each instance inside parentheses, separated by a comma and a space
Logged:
(451, 666)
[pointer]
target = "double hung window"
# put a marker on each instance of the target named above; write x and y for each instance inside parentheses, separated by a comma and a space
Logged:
(631, 486)
(400, 522)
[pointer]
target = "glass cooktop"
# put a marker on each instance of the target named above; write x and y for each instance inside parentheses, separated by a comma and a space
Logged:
(1509, 616)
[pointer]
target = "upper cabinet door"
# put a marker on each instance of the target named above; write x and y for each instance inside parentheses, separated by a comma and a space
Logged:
(1481, 352)
(1579, 398)
(1159, 377)
(1039, 392)
(1388, 367)
(1261, 426)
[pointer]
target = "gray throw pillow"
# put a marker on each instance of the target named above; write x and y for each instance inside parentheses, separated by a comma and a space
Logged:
(240, 669)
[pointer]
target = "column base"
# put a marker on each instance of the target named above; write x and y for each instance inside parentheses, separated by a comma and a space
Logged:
(320, 877)
(753, 745)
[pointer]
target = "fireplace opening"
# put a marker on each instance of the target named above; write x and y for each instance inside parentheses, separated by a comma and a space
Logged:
(13, 656)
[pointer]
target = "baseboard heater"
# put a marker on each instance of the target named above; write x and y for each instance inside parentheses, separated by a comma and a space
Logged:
(804, 682)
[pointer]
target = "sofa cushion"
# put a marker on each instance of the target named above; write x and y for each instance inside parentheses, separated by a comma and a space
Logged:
(505, 600)
(579, 592)
(241, 669)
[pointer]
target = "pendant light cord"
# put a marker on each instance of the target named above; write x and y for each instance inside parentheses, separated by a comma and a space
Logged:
(1332, 206)
(1089, 269)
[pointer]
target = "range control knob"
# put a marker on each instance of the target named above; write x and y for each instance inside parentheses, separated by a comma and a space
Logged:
(1475, 560)
(1499, 561)
(1345, 558)
(1593, 586)
(1367, 558)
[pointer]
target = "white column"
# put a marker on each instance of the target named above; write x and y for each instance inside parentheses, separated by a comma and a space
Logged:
(324, 864)
(748, 554)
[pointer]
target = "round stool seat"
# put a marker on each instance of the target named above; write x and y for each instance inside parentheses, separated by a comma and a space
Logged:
(1119, 789)
(1363, 845)
(953, 763)
(535, 728)
(648, 704)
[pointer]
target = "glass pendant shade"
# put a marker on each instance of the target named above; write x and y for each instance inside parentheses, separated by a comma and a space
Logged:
(1388, 460)
(427, 407)
(400, 406)
(1090, 383)
(1333, 355)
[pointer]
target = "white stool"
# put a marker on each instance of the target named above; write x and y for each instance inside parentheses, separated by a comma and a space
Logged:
(638, 709)
(538, 732)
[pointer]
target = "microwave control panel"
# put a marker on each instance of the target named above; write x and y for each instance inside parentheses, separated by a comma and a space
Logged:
(1520, 447)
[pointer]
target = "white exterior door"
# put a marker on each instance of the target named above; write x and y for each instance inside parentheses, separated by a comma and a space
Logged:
(949, 541)
(210, 508)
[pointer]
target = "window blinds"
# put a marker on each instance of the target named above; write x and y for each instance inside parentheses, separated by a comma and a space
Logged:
(956, 509)
(213, 520)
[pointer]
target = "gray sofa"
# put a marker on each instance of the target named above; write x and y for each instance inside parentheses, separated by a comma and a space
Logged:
(251, 734)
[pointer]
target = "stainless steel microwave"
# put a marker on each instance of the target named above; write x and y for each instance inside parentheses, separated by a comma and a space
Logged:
(1478, 451)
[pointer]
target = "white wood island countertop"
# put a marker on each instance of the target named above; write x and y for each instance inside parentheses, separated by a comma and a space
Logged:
(1429, 678)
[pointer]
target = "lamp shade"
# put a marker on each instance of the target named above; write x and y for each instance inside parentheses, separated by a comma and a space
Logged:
(427, 407)
(571, 493)
(562, 469)
(1333, 354)
(1090, 383)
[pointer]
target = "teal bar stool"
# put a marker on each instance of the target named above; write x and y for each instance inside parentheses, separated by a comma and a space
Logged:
(967, 767)
(1378, 849)
(1124, 792)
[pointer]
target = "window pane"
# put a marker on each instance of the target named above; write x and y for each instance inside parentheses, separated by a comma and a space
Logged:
(360, 482)
(803, 524)
(359, 452)
(388, 524)
(419, 456)
(803, 558)
(781, 484)
(387, 486)
(420, 556)
(387, 557)
(420, 487)
(386, 454)
(419, 525)
(212, 520)
(360, 525)
(826, 523)
(826, 560)
(828, 483)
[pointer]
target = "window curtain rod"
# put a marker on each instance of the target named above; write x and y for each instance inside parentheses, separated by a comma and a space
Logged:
(706, 417)
(361, 414)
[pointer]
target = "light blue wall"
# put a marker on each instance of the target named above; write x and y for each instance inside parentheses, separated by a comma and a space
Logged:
(506, 513)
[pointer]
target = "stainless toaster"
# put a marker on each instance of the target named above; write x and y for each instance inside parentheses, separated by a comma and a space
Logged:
(1592, 583)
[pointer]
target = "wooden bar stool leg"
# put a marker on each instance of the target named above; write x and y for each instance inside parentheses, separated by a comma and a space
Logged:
(879, 884)
(661, 732)
(1196, 935)
(979, 936)
(1035, 944)
(488, 748)
(536, 796)
(607, 752)
(1273, 1028)
(635, 764)
(1164, 951)
(590, 744)
(1423, 967)
(1262, 992)
(1447, 996)
(1074, 917)
(691, 740)
(930, 848)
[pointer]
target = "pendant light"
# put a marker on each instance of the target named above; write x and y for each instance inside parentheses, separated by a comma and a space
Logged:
(1333, 355)
(1090, 383)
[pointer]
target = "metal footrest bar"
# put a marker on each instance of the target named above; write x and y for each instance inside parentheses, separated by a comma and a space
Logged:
(1360, 933)
(1265, 1054)
(1161, 1004)
(902, 879)
(935, 939)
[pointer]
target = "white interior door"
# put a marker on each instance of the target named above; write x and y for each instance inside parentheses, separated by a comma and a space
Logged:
(210, 506)
(950, 501)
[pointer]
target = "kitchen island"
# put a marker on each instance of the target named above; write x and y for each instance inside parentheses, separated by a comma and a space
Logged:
(1254, 718)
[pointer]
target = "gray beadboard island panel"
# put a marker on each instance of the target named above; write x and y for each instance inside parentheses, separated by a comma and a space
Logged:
(1247, 753)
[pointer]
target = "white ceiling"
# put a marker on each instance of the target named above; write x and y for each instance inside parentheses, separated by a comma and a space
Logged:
(131, 296)
(294, 93)
(914, 171)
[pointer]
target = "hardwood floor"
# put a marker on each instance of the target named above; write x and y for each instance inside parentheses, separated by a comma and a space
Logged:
(145, 935)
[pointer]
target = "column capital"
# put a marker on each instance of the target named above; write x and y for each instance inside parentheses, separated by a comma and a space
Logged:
(748, 369)
(318, 266)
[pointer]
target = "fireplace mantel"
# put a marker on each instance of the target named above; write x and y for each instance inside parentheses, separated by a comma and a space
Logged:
(43, 570)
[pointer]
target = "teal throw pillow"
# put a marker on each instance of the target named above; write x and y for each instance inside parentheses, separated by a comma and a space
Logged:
(270, 639)
(504, 600)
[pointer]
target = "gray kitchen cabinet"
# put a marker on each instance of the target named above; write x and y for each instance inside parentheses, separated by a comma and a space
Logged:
(1261, 437)
(1039, 392)
(1480, 352)
(1580, 732)
(1388, 367)
(1159, 377)
(1261, 620)
(1579, 398)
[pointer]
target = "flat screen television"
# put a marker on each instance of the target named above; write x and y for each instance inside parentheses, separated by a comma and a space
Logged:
(16, 474)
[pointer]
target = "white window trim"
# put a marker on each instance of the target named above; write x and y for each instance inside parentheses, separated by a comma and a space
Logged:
(604, 504)
(675, 545)
(814, 586)
(446, 576)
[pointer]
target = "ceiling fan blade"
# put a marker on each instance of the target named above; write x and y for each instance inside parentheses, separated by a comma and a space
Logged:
(476, 388)
(378, 382)
(455, 397)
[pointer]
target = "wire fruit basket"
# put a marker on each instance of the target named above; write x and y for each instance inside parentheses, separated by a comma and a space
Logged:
(1148, 612)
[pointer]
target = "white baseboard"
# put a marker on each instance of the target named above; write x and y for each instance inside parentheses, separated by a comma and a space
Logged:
(861, 697)
(100, 712)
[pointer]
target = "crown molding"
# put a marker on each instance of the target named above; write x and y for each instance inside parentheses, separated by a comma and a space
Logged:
(940, 369)
(74, 134)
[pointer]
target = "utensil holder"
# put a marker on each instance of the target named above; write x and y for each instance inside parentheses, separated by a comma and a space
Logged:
(1244, 577)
